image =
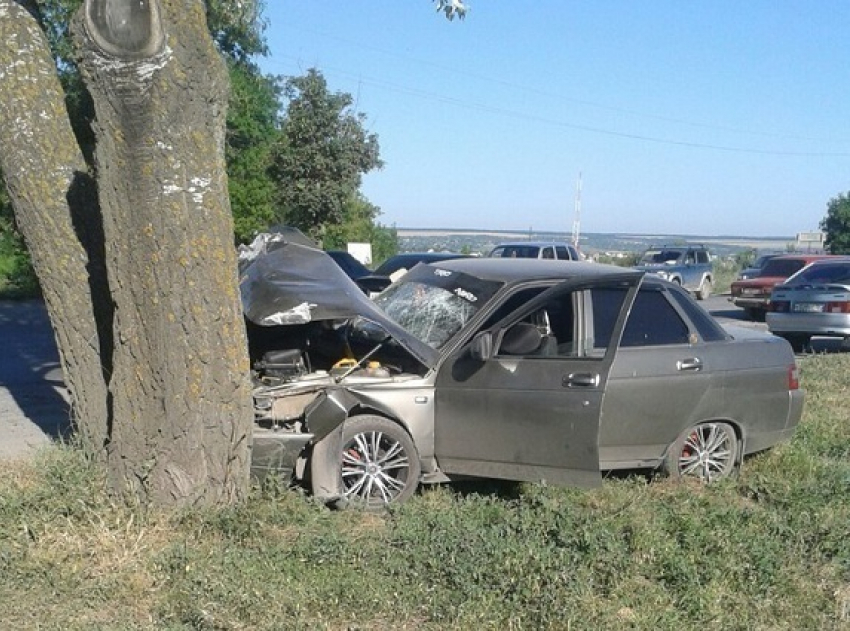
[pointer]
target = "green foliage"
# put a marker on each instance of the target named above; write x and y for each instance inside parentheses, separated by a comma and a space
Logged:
(237, 28)
(768, 550)
(322, 156)
(836, 225)
(17, 277)
(253, 131)
(745, 258)
(306, 177)
(360, 225)
(726, 270)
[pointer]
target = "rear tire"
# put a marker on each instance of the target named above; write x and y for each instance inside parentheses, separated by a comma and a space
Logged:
(704, 290)
(707, 452)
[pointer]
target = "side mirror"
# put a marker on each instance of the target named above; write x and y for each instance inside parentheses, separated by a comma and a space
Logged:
(523, 338)
(481, 347)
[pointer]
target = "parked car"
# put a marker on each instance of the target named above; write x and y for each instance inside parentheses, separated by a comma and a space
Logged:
(395, 266)
(753, 294)
(515, 369)
(815, 301)
(688, 266)
(536, 250)
(758, 265)
(349, 264)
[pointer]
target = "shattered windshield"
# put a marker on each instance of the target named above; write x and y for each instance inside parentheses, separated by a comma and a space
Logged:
(433, 304)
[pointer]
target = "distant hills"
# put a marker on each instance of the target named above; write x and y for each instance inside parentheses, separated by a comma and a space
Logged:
(482, 241)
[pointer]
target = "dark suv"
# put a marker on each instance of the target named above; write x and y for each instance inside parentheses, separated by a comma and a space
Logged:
(689, 266)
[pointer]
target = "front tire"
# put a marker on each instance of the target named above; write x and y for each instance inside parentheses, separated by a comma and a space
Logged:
(705, 289)
(377, 465)
(708, 452)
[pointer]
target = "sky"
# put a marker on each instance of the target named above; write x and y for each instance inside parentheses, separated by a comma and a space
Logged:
(695, 118)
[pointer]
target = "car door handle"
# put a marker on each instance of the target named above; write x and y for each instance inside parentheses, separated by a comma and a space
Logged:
(580, 380)
(691, 363)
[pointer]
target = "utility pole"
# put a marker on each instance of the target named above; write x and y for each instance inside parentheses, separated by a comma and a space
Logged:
(577, 217)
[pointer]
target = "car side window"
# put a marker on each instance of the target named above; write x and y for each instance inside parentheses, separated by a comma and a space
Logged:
(548, 253)
(545, 332)
(562, 252)
(557, 331)
(654, 322)
(708, 329)
(702, 256)
(607, 302)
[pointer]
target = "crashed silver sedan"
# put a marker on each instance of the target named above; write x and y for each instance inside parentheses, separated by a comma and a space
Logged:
(526, 370)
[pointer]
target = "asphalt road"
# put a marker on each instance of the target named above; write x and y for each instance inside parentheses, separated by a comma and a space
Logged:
(33, 405)
(33, 408)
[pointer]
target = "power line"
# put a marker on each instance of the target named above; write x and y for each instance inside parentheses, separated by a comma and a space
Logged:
(482, 107)
(560, 97)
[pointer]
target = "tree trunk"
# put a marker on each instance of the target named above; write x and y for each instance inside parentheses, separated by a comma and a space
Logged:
(175, 385)
(180, 395)
(56, 210)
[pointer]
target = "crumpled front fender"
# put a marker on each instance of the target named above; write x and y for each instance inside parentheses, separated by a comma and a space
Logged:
(328, 411)
(277, 451)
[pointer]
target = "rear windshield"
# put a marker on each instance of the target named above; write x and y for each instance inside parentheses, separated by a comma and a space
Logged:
(836, 273)
(782, 268)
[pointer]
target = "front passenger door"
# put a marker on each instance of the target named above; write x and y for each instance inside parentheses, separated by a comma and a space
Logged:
(533, 414)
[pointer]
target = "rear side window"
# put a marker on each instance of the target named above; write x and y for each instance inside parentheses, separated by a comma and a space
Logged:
(782, 267)
(708, 329)
(702, 256)
(563, 253)
(607, 302)
(654, 322)
(548, 253)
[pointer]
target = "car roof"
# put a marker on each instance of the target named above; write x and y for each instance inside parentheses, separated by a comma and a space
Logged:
(408, 259)
(537, 243)
(832, 259)
(437, 256)
(806, 257)
(519, 269)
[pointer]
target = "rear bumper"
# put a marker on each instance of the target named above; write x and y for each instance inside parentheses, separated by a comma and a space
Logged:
(829, 324)
(750, 302)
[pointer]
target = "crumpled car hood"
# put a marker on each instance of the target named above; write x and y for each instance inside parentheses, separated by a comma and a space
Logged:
(286, 283)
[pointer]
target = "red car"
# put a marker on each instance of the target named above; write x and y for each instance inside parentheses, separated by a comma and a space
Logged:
(753, 294)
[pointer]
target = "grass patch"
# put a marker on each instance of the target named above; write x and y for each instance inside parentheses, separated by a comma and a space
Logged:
(768, 550)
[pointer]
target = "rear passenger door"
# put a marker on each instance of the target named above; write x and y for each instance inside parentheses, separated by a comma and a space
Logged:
(661, 382)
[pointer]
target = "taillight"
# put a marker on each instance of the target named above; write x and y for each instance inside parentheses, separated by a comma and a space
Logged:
(837, 307)
(779, 306)
(793, 377)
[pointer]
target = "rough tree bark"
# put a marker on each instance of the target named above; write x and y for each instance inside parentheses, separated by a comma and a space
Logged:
(56, 210)
(177, 403)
